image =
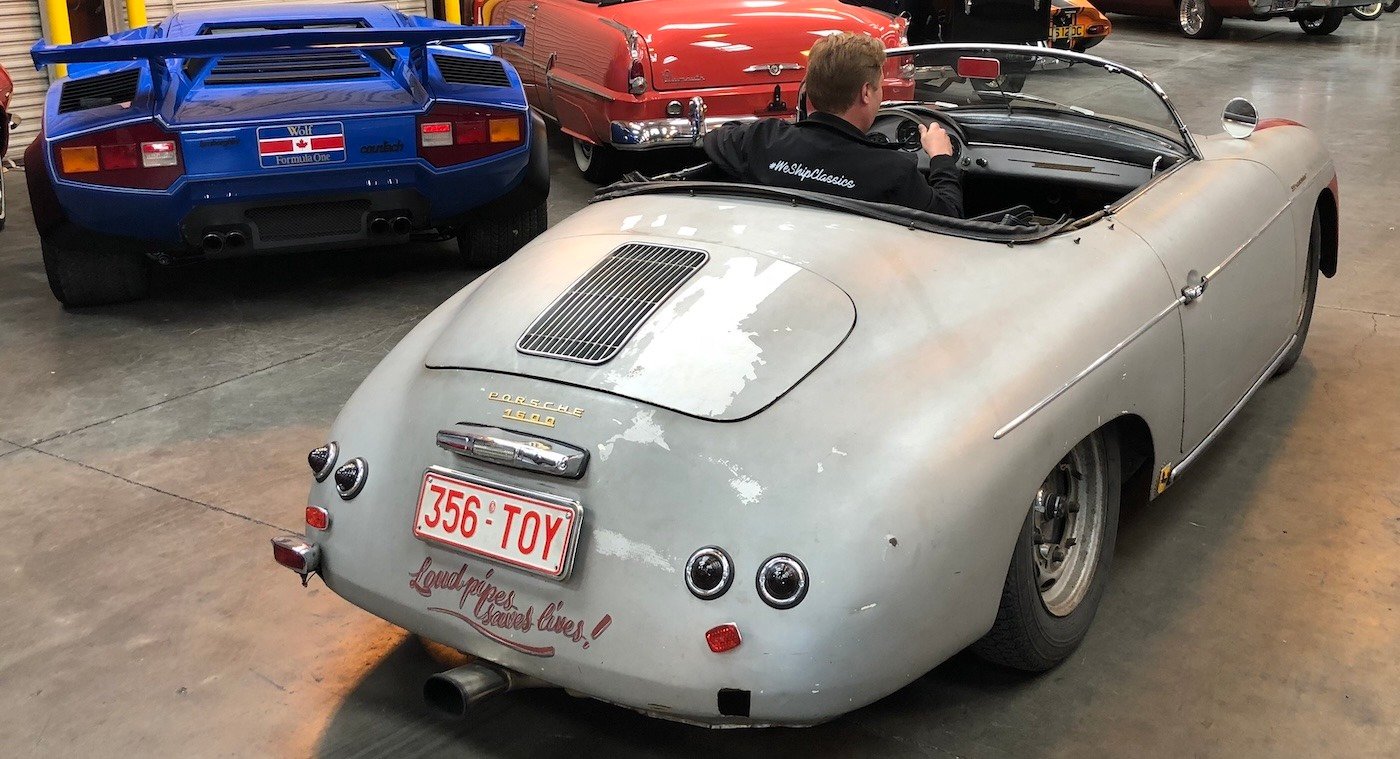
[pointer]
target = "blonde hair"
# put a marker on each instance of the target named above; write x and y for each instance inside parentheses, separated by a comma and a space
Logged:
(837, 68)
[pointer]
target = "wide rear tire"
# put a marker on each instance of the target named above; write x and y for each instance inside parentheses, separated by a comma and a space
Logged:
(1059, 567)
(489, 241)
(94, 277)
(1309, 297)
(1197, 20)
(1325, 24)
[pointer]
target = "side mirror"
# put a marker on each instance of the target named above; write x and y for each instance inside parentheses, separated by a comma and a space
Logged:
(1240, 118)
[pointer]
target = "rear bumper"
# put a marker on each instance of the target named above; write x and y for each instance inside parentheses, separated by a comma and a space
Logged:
(678, 131)
(1291, 7)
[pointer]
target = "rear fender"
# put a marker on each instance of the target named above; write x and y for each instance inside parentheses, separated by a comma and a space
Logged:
(48, 214)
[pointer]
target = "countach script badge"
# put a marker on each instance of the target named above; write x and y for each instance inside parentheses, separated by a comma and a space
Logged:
(301, 144)
(532, 410)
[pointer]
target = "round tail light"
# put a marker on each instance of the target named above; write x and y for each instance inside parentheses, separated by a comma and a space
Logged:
(709, 573)
(350, 478)
(782, 582)
(322, 460)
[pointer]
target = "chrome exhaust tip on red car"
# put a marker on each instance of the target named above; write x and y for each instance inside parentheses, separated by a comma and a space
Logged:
(456, 692)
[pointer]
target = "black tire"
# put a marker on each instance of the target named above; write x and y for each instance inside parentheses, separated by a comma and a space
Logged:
(1309, 297)
(1392, 6)
(1026, 635)
(600, 164)
(94, 277)
(1325, 24)
(1203, 24)
(490, 241)
(1368, 12)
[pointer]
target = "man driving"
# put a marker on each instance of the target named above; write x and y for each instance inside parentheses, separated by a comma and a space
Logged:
(828, 151)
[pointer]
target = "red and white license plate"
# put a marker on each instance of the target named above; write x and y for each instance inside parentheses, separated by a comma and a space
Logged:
(533, 531)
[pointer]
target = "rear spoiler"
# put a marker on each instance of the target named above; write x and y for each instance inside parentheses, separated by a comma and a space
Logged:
(134, 46)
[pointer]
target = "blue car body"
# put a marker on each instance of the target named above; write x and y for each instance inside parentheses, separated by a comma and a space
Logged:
(295, 127)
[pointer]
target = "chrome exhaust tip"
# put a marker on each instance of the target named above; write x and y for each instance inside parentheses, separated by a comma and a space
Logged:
(378, 225)
(213, 243)
(456, 692)
(402, 225)
(236, 240)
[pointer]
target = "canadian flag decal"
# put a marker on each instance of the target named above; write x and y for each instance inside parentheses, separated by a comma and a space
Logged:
(301, 144)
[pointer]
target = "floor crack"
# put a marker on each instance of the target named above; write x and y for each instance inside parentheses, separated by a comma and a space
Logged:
(186, 499)
(1361, 311)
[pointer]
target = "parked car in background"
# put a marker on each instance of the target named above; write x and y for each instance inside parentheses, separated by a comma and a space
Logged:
(1077, 25)
(626, 76)
(7, 90)
(1201, 19)
(740, 455)
(267, 129)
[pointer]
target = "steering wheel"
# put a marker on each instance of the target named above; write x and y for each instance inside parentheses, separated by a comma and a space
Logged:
(923, 116)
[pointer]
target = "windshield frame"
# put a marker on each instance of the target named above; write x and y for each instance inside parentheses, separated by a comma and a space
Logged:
(1188, 142)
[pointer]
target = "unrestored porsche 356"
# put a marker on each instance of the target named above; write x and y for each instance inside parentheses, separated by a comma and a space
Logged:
(738, 455)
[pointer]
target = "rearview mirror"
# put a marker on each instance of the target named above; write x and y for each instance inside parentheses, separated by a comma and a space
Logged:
(979, 68)
(1240, 118)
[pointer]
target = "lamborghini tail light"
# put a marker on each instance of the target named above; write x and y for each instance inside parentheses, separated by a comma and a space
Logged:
(141, 156)
(451, 134)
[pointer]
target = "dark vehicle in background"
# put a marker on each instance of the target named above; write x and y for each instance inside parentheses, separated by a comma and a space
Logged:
(7, 89)
(1201, 19)
(1010, 21)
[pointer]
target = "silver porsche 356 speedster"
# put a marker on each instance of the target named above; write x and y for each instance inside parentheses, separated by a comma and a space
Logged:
(738, 455)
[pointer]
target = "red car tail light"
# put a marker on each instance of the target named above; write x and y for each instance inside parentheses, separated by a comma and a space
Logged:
(318, 517)
(450, 134)
(723, 637)
(141, 156)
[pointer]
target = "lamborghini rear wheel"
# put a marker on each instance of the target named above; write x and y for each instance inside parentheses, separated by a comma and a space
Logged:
(1061, 561)
(492, 240)
(94, 277)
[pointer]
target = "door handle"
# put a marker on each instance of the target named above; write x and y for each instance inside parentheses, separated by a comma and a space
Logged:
(1195, 287)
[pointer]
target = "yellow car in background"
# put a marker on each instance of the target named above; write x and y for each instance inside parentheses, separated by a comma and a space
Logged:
(1077, 25)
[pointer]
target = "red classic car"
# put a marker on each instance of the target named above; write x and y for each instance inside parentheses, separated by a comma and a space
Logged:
(623, 75)
(7, 88)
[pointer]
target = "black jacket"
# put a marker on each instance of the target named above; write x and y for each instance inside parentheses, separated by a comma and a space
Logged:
(826, 153)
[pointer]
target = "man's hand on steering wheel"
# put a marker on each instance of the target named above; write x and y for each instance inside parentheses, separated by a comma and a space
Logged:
(935, 140)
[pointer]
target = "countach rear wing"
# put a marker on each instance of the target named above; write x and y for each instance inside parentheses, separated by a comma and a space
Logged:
(136, 45)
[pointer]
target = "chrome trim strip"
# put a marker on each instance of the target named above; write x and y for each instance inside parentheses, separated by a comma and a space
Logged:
(553, 78)
(1221, 266)
(512, 449)
(1214, 433)
(1188, 141)
(1100, 361)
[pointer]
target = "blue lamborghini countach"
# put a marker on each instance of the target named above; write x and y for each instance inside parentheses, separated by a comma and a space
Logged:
(274, 129)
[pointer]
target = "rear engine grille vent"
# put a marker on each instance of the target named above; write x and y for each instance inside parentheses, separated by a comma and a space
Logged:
(472, 71)
(97, 91)
(291, 68)
(602, 310)
(309, 220)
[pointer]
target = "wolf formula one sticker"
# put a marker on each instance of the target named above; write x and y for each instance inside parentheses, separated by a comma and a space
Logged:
(301, 144)
(493, 611)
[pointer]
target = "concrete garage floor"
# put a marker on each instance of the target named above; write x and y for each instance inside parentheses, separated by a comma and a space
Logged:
(148, 452)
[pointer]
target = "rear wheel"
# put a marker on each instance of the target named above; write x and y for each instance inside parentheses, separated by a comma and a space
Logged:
(1309, 297)
(94, 277)
(490, 241)
(1197, 20)
(600, 164)
(1061, 561)
(1323, 24)
(1392, 6)
(1368, 12)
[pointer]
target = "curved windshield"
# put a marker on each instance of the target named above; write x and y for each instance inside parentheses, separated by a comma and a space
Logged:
(1012, 79)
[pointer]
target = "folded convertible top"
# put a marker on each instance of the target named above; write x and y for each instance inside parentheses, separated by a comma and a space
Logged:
(134, 45)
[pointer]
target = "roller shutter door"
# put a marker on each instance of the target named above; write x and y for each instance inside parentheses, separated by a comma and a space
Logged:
(19, 28)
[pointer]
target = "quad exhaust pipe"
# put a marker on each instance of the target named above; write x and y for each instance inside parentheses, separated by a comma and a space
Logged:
(383, 225)
(402, 225)
(378, 225)
(456, 692)
(213, 242)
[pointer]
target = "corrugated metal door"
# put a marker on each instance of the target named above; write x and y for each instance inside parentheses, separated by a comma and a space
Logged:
(19, 28)
(159, 9)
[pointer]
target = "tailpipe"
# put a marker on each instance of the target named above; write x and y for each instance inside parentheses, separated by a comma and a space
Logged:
(379, 226)
(457, 691)
(402, 225)
(236, 239)
(213, 243)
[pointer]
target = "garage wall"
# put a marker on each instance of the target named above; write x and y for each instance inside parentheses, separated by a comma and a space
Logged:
(20, 28)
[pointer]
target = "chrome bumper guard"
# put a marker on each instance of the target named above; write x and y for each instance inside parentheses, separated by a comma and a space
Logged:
(674, 132)
(1293, 6)
(294, 553)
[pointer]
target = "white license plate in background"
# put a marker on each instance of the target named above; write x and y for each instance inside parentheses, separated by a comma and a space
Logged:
(532, 531)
